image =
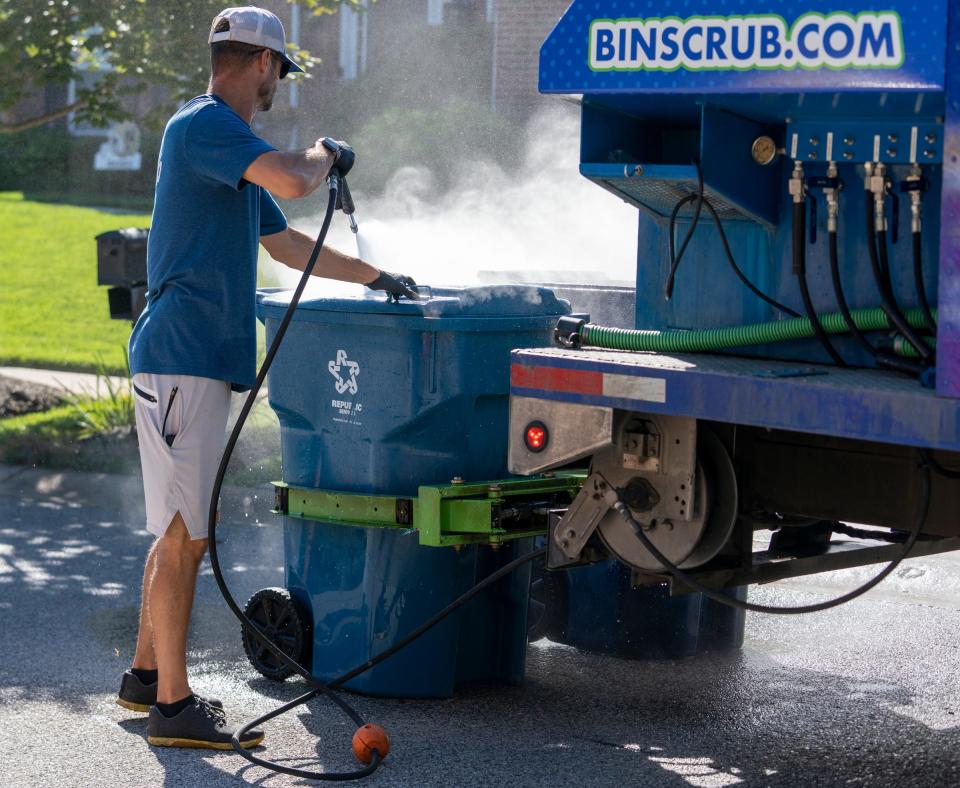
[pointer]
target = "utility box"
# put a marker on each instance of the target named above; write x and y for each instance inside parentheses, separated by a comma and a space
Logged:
(126, 303)
(122, 257)
(379, 398)
(122, 264)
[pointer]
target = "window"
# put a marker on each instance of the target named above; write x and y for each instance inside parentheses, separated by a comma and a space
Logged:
(353, 41)
(435, 12)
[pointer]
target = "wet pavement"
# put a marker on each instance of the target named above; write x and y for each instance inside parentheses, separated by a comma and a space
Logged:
(864, 695)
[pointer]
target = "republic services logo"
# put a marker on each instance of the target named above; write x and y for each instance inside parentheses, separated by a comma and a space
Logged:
(339, 367)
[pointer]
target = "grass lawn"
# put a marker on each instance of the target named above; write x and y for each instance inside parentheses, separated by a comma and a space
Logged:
(52, 314)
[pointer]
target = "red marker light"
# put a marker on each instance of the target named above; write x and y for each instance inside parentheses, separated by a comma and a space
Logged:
(536, 436)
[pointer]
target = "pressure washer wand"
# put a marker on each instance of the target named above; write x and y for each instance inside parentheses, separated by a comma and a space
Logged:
(343, 158)
(345, 204)
(344, 198)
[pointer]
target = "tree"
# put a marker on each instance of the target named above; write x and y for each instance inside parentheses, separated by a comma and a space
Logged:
(126, 45)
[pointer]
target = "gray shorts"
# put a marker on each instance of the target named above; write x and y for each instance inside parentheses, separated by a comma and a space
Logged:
(181, 430)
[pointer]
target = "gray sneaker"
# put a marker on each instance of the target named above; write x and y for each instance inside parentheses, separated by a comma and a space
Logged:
(137, 696)
(200, 725)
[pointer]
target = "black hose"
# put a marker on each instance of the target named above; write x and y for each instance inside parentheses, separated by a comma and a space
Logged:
(319, 687)
(676, 258)
(212, 530)
(731, 260)
(881, 277)
(882, 359)
(673, 223)
(800, 269)
(876, 266)
(277, 767)
(724, 599)
(918, 282)
(238, 426)
(736, 268)
(890, 306)
(943, 470)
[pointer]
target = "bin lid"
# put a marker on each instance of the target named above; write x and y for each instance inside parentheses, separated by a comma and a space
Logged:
(435, 302)
(126, 234)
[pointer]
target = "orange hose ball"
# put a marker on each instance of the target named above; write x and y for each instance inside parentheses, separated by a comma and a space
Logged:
(368, 738)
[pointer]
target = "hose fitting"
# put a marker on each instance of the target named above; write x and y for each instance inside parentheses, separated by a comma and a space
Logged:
(798, 189)
(568, 330)
(832, 195)
(915, 187)
(879, 186)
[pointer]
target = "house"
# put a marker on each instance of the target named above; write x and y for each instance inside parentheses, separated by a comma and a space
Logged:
(394, 52)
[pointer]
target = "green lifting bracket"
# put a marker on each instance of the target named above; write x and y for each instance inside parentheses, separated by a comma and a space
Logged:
(443, 515)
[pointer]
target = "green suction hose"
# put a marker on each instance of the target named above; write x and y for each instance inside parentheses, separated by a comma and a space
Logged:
(902, 347)
(706, 340)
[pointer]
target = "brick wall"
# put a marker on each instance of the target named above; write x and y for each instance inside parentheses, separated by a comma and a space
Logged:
(522, 26)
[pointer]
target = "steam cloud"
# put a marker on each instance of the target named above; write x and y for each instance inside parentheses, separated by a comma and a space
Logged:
(544, 222)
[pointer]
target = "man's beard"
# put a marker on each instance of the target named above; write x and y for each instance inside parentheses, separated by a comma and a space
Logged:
(265, 95)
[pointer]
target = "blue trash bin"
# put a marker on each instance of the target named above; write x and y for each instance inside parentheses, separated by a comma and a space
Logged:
(601, 611)
(380, 398)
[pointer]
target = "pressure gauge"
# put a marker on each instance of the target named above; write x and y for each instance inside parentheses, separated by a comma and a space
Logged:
(763, 150)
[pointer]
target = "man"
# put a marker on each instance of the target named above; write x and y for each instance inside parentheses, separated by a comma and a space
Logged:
(196, 340)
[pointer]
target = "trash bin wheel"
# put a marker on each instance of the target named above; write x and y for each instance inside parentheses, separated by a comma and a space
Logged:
(278, 616)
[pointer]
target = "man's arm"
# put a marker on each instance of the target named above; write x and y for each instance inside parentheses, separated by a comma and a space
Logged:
(291, 174)
(293, 248)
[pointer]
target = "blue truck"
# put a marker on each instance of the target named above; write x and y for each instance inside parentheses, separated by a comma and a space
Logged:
(790, 363)
(794, 358)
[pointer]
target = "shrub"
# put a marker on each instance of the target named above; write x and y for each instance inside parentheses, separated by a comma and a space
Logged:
(50, 160)
(32, 158)
(110, 408)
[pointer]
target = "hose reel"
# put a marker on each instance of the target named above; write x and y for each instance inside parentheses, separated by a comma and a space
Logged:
(679, 484)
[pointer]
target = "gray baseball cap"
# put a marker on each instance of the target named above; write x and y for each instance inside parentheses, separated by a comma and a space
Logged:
(257, 26)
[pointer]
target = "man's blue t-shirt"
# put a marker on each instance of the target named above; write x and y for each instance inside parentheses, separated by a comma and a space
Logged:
(200, 317)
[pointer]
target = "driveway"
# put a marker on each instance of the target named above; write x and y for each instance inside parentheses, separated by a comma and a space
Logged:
(866, 694)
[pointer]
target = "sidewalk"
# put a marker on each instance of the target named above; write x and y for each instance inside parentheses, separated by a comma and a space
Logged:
(74, 382)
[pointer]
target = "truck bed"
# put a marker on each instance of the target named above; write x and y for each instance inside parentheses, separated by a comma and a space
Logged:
(862, 404)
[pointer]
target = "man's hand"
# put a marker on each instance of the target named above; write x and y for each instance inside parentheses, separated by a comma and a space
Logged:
(343, 155)
(321, 153)
(396, 286)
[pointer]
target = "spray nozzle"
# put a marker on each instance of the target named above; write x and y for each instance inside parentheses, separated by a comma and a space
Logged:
(345, 203)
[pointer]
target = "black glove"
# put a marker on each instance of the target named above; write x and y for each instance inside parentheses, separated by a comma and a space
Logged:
(343, 155)
(395, 285)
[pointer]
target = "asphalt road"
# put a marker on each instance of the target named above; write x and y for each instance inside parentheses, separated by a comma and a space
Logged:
(864, 695)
